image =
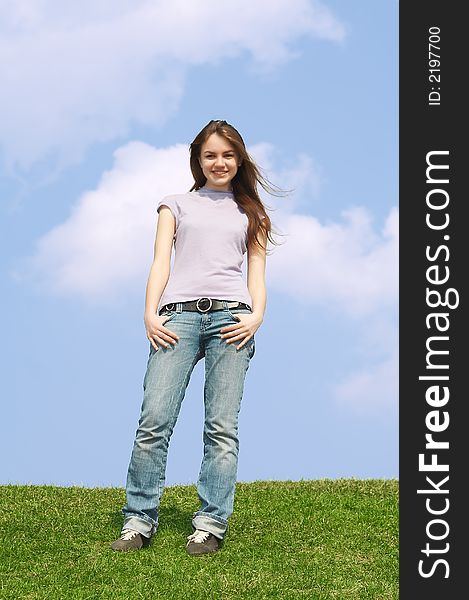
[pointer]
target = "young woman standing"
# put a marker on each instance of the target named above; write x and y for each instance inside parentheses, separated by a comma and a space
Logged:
(202, 308)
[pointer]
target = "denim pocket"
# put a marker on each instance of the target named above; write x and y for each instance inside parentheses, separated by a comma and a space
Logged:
(238, 311)
(170, 314)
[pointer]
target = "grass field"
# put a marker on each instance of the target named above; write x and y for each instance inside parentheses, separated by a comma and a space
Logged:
(318, 540)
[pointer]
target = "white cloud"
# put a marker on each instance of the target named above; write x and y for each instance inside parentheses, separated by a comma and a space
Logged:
(347, 266)
(80, 73)
(350, 268)
(107, 242)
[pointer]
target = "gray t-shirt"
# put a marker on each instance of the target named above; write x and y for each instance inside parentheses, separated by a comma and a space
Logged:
(209, 243)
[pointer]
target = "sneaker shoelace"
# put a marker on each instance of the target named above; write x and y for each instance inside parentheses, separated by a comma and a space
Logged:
(128, 534)
(199, 536)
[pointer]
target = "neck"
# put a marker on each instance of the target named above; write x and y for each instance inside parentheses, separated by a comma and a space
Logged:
(206, 187)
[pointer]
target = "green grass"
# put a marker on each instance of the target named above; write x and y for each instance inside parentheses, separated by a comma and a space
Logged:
(315, 540)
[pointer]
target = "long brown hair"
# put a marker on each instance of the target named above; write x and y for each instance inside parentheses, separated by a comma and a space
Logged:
(244, 183)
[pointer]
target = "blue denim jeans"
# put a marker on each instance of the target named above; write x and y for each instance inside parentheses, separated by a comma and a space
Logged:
(165, 382)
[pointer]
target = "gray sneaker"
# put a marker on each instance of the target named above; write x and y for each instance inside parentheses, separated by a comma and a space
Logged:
(130, 540)
(202, 542)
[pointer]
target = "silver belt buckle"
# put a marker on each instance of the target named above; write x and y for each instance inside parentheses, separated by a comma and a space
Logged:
(201, 309)
(170, 306)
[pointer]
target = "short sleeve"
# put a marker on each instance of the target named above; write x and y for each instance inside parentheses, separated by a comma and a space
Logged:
(171, 203)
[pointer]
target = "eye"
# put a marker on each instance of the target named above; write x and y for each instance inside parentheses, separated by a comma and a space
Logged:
(209, 156)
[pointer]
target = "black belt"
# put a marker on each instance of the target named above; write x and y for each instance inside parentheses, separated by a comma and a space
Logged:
(204, 305)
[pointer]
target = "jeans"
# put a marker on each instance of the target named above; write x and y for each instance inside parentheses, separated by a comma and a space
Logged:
(165, 382)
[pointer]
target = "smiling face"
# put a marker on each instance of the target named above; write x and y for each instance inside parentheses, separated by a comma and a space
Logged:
(219, 162)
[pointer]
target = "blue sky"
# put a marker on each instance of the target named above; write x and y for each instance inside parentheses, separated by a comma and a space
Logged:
(99, 107)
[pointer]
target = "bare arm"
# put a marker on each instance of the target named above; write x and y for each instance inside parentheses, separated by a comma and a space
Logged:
(256, 277)
(160, 268)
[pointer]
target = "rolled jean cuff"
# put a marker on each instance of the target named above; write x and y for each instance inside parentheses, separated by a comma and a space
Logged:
(143, 526)
(207, 522)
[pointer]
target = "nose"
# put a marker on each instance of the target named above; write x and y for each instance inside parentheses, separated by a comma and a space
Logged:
(219, 161)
